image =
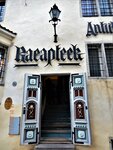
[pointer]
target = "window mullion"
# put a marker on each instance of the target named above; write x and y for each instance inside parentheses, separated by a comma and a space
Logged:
(98, 7)
(106, 74)
(88, 62)
(100, 56)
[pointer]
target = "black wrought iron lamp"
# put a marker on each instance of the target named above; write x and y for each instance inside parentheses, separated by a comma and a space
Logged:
(54, 14)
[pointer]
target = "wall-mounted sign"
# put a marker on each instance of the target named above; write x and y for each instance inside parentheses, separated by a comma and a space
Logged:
(32, 58)
(95, 29)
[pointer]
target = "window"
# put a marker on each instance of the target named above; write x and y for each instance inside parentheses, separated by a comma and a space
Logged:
(31, 93)
(106, 7)
(109, 58)
(3, 54)
(78, 92)
(111, 143)
(94, 51)
(2, 9)
(100, 60)
(91, 8)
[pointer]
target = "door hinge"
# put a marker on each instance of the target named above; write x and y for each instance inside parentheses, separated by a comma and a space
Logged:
(86, 107)
(24, 110)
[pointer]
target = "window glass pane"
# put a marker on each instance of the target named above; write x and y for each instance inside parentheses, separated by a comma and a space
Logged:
(106, 7)
(2, 63)
(94, 60)
(76, 93)
(89, 8)
(109, 58)
(2, 8)
(80, 92)
(29, 93)
(34, 93)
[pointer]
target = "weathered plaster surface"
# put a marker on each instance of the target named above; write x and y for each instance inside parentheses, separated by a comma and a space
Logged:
(100, 107)
(10, 142)
(31, 23)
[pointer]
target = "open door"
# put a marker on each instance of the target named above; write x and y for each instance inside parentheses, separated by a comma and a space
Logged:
(79, 110)
(30, 125)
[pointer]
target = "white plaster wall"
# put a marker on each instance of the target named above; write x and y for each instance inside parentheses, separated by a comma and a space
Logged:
(31, 23)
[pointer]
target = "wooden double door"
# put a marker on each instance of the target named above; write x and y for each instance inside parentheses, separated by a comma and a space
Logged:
(55, 109)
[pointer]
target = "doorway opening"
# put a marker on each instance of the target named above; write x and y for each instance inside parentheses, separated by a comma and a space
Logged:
(55, 109)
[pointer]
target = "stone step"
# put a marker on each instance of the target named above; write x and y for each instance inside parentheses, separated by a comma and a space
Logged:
(66, 134)
(56, 140)
(57, 114)
(55, 147)
(57, 109)
(58, 119)
(57, 106)
(56, 124)
(56, 131)
(54, 108)
(56, 128)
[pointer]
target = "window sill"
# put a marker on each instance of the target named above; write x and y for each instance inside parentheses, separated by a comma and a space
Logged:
(106, 15)
(91, 16)
(98, 16)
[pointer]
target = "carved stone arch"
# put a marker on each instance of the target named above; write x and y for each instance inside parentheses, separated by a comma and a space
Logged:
(79, 109)
(31, 110)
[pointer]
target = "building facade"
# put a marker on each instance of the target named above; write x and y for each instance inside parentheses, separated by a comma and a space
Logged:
(56, 91)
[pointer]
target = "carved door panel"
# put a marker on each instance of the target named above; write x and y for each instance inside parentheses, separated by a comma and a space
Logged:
(30, 124)
(79, 110)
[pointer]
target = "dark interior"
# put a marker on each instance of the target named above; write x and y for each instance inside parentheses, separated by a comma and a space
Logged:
(55, 89)
(55, 107)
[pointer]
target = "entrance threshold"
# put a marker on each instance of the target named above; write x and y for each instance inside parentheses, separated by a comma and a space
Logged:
(55, 147)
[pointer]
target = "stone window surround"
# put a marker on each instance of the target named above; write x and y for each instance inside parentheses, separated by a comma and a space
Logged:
(105, 75)
(6, 39)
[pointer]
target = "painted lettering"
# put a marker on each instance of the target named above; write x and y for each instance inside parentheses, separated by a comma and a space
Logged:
(26, 56)
(95, 29)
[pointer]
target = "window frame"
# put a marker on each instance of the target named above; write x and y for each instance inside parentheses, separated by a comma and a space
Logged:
(105, 73)
(96, 15)
(98, 10)
(110, 9)
(2, 82)
(2, 10)
(107, 69)
(110, 142)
